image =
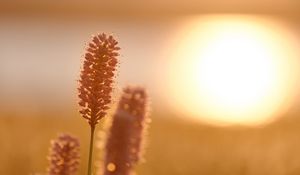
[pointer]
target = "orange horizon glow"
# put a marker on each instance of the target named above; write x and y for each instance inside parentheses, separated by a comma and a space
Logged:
(233, 69)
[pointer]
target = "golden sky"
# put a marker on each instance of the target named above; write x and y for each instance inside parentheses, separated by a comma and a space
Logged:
(42, 42)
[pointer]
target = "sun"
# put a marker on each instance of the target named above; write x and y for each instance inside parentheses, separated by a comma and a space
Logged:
(233, 70)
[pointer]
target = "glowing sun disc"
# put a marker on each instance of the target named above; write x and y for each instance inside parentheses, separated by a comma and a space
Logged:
(233, 69)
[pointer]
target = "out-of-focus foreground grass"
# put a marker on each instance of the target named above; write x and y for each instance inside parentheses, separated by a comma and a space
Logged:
(175, 146)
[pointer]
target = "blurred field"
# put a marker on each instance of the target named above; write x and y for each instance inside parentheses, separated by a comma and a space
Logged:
(175, 146)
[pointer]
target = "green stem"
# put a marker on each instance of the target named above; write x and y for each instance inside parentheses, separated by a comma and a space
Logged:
(91, 151)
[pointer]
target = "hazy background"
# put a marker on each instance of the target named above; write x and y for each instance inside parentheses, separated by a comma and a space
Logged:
(41, 44)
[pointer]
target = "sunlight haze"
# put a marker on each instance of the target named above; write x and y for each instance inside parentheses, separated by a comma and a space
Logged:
(234, 69)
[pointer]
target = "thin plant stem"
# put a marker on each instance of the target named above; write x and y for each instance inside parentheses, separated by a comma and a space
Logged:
(91, 151)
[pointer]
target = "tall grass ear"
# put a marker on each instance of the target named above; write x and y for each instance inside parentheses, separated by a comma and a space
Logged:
(64, 155)
(97, 77)
(96, 82)
(125, 140)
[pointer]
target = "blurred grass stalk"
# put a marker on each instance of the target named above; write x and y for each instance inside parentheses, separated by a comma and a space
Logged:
(64, 155)
(125, 141)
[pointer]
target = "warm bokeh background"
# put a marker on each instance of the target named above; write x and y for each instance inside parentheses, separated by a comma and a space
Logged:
(41, 43)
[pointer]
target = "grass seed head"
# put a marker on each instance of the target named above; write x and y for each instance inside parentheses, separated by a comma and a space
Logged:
(96, 78)
(126, 136)
(64, 155)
